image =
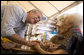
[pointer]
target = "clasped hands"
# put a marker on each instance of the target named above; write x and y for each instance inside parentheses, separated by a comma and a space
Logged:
(34, 43)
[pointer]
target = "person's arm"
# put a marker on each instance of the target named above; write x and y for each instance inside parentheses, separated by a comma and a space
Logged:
(16, 38)
(59, 51)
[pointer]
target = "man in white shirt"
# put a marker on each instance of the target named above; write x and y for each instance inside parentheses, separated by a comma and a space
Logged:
(14, 22)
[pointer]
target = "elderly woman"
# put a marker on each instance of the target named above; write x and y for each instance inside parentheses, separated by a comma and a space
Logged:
(69, 36)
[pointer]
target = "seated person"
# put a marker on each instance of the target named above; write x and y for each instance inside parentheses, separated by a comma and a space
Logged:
(69, 37)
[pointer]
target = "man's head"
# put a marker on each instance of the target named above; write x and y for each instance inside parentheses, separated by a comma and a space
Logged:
(33, 16)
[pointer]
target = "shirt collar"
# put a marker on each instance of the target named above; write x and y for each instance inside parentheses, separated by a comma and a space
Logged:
(24, 18)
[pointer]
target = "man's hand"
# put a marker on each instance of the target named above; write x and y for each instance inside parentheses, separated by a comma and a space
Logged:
(8, 45)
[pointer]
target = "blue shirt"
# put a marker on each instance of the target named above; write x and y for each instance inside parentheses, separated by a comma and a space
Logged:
(13, 21)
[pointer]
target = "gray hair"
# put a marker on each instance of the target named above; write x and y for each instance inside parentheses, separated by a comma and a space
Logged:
(34, 10)
(76, 19)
